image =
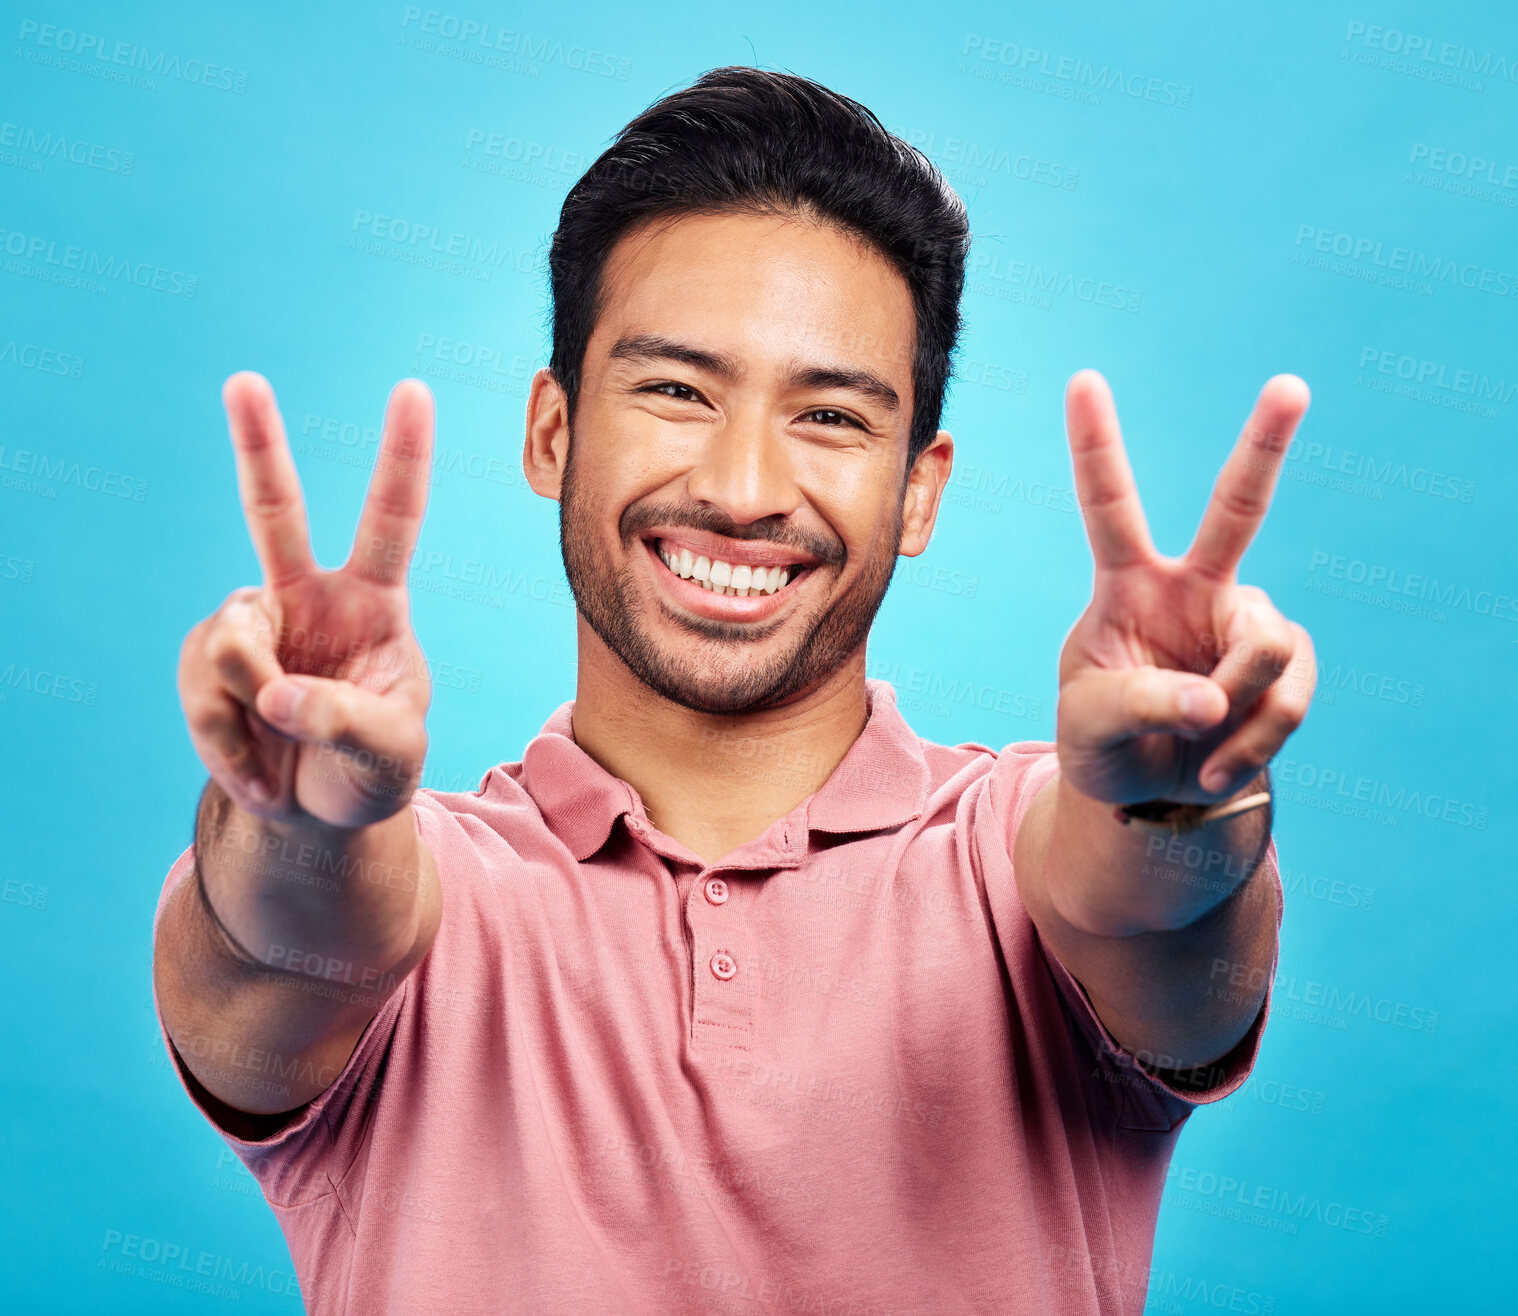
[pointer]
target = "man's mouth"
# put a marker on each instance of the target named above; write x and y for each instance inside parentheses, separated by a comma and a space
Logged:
(725, 579)
(745, 579)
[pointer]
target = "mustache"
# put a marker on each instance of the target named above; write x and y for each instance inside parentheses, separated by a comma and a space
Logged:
(698, 516)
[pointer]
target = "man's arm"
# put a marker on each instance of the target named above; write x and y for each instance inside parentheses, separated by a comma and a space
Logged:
(1177, 686)
(1144, 921)
(280, 944)
(311, 895)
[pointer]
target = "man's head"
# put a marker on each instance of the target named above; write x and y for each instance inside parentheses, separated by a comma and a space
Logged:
(756, 295)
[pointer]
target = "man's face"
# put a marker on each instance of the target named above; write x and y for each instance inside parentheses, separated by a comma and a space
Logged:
(731, 506)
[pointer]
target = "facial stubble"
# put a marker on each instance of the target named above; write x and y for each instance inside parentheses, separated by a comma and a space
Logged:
(609, 601)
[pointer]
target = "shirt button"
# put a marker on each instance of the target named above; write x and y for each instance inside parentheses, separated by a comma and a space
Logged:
(723, 965)
(716, 890)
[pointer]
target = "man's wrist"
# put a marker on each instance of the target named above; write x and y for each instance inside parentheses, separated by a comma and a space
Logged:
(1176, 819)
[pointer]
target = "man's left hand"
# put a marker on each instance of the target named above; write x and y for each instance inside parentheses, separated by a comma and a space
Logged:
(1177, 683)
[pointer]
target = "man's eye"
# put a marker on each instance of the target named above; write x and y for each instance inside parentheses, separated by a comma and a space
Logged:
(832, 419)
(680, 392)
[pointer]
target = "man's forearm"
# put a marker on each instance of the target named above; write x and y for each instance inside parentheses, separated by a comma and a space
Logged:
(267, 973)
(1117, 880)
(316, 901)
(1143, 919)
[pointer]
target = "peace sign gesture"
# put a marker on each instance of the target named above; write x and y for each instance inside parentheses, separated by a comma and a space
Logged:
(306, 697)
(1177, 683)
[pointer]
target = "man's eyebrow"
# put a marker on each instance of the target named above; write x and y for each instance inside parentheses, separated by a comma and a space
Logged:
(846, 377)
(655, 347)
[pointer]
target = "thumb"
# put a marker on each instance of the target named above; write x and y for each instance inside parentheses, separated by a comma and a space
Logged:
(1101, 707)
(377, 736)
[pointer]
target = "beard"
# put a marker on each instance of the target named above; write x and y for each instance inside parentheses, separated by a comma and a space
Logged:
(710, 674)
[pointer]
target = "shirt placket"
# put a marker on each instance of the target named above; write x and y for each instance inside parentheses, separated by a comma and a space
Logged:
(726, 972)
(725, 964)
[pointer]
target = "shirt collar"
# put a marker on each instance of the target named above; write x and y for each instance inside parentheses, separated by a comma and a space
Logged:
(881, 782)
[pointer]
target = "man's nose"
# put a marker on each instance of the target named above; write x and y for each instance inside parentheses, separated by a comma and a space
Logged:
(745, 468)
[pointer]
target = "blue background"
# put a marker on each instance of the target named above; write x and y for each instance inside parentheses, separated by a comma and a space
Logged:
(1384, 1087)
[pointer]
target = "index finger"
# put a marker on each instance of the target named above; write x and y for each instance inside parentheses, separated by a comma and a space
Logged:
(1109, 499)
(397, 499)
(271, 497)
(1248, 478)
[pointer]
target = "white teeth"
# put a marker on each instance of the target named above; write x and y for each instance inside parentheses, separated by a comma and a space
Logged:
(742, 580)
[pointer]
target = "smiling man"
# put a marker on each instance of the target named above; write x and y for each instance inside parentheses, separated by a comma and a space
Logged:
(732, 993)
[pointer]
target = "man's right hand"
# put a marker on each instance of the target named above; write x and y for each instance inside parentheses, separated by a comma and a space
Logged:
(306, 697)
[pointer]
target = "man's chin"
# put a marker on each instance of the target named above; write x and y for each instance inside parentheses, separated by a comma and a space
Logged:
(729, 695)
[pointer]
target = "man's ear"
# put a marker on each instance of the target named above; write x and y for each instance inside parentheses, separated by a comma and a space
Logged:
(546, 448)
(925, 486)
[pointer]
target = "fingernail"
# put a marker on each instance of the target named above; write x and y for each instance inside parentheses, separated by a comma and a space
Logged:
(258, 792)
(1213, 780)
(285, 700)
(1193, 703)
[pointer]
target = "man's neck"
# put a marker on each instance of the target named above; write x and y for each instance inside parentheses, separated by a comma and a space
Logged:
(713, 781)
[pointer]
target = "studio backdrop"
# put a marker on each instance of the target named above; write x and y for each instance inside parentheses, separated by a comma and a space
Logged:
(1188, 197)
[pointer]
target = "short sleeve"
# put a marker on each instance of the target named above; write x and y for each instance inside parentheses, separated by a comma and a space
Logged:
(1150, 1100)
(307, 1157)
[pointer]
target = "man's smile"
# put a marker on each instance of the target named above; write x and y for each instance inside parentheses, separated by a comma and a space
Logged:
(725, 579)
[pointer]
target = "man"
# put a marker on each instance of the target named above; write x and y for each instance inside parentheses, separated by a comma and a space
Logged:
(732, 993)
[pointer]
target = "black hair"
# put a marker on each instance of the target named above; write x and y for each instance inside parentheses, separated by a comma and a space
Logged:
(744, 139)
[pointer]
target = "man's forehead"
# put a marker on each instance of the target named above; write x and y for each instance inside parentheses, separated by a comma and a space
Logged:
(757, 285)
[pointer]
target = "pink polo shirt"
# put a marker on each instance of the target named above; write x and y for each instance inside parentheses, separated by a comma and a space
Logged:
(836, 1072)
